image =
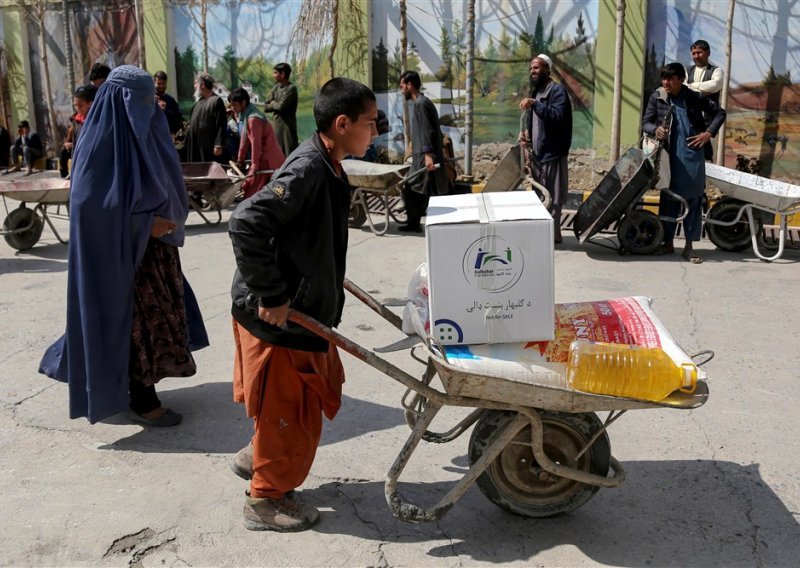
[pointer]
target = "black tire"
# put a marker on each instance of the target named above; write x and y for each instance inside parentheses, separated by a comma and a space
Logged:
(357, 215)
(736, 237)
(511, 482)
(19, 218)
(640, 232)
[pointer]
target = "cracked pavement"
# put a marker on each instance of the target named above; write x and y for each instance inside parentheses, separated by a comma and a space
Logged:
(715, 486)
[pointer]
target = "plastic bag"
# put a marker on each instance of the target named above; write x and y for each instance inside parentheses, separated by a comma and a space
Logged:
(415, 313)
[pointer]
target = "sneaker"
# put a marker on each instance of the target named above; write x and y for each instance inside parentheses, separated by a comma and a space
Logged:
(242, 463)
(280, 515)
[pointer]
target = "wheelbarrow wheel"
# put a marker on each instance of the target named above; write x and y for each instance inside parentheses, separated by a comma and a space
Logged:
(640, 232)
(733, 238)
(18, 219)
(357, 215)
(514, 482)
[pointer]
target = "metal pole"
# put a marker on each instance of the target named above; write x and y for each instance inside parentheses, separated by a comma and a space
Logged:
(616, 113)
(723, 99)
(139, 32)
(68, 47)
(470, 82)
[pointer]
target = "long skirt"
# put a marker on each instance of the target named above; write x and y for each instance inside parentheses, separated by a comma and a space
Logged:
(159, 335)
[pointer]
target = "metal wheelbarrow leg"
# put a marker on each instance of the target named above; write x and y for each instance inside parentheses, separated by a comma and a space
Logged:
(435, 400)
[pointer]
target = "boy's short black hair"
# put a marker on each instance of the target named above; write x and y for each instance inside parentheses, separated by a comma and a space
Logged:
(340, 96)
(160, 75)
(99, 71)
(673, 70)
(284, 68)
(239, 95)
(86, 92)
(412, 78)
(702, 44)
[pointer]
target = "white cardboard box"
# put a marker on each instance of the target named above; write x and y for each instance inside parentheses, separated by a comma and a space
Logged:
(490, 263)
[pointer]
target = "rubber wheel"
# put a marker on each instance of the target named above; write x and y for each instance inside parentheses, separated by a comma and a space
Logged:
(22, 217)
(640, 232)
(357, 215)
(736, 237)
(513, 480)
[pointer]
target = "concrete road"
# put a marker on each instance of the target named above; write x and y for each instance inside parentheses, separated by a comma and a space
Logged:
(717, 486)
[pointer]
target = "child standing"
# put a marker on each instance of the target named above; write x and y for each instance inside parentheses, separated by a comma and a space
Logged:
(290, 242)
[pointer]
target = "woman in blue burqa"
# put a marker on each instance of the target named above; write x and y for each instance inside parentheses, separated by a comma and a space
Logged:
(132, 318)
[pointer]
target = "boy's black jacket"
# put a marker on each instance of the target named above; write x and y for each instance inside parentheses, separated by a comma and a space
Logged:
(290, 243)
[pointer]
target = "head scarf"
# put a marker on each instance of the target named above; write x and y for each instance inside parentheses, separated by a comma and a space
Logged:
(250, 111)
(126, 173)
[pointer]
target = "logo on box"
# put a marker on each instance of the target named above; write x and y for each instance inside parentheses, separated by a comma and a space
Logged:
(492, 264)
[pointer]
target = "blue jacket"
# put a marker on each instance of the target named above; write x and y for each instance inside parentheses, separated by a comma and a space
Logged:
(555, 111)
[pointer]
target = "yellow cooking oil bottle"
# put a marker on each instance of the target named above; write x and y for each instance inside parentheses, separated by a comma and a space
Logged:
(631, 371)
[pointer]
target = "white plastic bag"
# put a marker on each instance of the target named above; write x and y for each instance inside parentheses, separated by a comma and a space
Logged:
(415, 314)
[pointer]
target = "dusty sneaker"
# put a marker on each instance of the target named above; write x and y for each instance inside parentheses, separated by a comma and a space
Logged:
(281, 515)
(242, 463)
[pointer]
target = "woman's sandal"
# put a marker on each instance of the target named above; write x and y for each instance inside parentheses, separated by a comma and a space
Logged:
(169, 418)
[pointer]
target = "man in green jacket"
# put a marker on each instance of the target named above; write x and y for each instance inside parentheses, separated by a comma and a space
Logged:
(282, 103)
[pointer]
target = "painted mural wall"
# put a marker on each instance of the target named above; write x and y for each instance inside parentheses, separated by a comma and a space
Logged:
(763, 126)
(102, 31)
(508, 33)
(246, 39)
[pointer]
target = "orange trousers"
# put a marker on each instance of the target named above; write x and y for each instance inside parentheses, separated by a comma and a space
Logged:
(286, 391)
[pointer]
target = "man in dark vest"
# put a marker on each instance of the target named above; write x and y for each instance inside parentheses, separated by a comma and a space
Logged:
(704, 78)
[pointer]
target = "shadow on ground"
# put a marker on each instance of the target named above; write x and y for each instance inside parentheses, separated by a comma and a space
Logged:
(44, 258)
(214, 424)
(678, 513)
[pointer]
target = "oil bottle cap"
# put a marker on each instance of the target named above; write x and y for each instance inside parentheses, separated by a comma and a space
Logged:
(689, 375)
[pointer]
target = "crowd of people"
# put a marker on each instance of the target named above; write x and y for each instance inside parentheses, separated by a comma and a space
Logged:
(136, 320)
(683, 114)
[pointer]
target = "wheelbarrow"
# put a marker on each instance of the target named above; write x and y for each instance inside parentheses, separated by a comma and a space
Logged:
(384, 181)
(211, 188)
(536, 450)
(23, 226)
(731, 224)
(617, 201)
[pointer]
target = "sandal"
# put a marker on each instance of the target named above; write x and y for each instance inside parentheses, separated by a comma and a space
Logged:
(692, 258)
(169, 418)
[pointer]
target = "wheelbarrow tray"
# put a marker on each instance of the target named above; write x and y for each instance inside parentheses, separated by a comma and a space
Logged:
(524, 389)
(508, 174)
(623, 185)
(369, 175)
(769, 193)
(210, 179)
(41, 187)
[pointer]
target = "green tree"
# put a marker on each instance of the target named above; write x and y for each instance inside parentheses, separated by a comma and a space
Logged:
(445, 73)
(186, 65)
(258, 72)
(226, 70)
(380, 68)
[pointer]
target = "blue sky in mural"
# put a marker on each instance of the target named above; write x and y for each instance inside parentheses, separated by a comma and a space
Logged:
(256, 28)
(674, 24)
(516, 16)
